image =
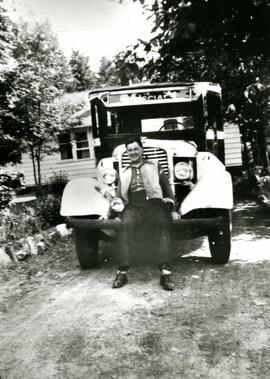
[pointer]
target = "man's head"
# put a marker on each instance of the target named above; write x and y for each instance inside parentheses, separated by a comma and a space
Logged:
(135, 150)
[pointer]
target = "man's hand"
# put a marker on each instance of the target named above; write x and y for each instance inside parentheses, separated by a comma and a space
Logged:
(175, 215)
(103, 218)
(168, 201)
(117, 205)
(188, 183)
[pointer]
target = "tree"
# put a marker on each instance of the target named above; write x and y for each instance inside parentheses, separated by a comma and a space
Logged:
(106, 75)
(216, 40)
(9, 145)
(83, 77)
(123, 69)
(37, 81)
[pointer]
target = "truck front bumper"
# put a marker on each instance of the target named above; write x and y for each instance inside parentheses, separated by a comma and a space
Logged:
(184, 228)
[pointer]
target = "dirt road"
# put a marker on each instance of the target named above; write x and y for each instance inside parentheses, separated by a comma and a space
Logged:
(57, 321)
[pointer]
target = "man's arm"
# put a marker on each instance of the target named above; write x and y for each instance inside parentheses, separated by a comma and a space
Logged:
(165, 185)
(118, 190)
(167, 192)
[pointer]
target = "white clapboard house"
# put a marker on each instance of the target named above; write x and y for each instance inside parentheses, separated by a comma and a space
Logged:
(232, 145)
(75, 155)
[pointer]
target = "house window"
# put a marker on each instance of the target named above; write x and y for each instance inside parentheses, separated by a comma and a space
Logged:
(74, 145)
(82, 145)
(65, 146)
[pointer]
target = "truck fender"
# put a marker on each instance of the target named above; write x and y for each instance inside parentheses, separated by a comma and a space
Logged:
(211, 191)
(83, 197)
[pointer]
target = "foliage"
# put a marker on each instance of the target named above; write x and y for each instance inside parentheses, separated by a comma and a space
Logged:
(48, 210)
(49, 200)
(9, 145)
(122, 70)
(57, 183)
(226, 38)
(37, 84)
(5, 195)
(263, 190)
(7, 39)
(9, 181)
(23, 219)
(32, 108)
(127, 68)
(106, 75)
(83, 77)
(220, 41)
(19, 220)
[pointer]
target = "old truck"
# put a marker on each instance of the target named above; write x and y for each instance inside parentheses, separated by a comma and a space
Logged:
(180, 125)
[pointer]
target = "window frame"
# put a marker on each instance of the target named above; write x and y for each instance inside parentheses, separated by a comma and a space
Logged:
(74, 146)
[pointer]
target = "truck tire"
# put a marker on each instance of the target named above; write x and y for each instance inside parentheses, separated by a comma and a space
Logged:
(86, 244)
(220, 239)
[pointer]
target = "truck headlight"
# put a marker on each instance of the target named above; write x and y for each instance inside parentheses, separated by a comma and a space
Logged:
(108, 176)
(183, 171)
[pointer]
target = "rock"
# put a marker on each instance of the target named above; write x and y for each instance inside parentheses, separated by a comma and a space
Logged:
(32, 245)
(9, 251)
(41, 247)
(3, 234)
(21, 249)
(40, 243)
(4, 258)
(63, 230)
(54, 236)
(22, 255)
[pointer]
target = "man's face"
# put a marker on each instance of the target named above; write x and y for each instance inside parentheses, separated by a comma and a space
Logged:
(135, 152)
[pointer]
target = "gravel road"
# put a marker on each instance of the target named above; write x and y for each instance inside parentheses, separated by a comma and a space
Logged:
(57, 321)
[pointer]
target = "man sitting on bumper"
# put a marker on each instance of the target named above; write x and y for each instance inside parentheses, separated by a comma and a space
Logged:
(148, 198)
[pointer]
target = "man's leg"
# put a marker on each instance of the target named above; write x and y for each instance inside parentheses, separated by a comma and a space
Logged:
(129, 220)
(161, 223)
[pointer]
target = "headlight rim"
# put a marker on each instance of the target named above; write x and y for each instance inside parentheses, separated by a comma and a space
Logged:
(182, 164)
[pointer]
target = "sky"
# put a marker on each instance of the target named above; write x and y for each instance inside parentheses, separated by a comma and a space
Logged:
(94, 27)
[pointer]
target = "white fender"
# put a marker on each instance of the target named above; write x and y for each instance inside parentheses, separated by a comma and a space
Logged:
(82, 197)
(211, 191)
(214, 186)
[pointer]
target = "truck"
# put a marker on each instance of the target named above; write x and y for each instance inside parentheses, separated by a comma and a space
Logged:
(181, 127)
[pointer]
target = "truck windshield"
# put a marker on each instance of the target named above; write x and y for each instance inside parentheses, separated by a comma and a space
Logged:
(149, 119)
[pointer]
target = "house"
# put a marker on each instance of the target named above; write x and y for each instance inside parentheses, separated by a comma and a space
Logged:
(75, 155)
(233, 147)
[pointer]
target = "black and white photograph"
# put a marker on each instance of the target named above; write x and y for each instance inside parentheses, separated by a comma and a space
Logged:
(134, 189)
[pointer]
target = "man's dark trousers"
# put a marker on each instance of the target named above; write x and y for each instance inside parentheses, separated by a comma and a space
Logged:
(156, 217)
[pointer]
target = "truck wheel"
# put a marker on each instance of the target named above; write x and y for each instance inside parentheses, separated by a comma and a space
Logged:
(220, 239)
(86, 244)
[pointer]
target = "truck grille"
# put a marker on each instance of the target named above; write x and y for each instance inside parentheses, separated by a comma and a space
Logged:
(152, 153)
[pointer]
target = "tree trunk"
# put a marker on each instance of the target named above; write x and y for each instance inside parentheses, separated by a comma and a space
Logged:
(38, 165)
(34, 164)
(246, 157)
(262, 149)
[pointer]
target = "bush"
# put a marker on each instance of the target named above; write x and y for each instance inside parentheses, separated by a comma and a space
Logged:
(22, 219)
(57, 183)
(5, 196)
(9, 181)
(49, 200)
(48, 210)
(19, 221)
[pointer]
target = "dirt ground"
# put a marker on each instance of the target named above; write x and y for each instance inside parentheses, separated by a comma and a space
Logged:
(57, 321)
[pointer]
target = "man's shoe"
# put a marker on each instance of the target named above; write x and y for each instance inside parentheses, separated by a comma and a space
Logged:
(166, 282)
(120, 280)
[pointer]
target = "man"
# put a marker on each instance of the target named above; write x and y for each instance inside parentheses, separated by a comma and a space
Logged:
(147, 195)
